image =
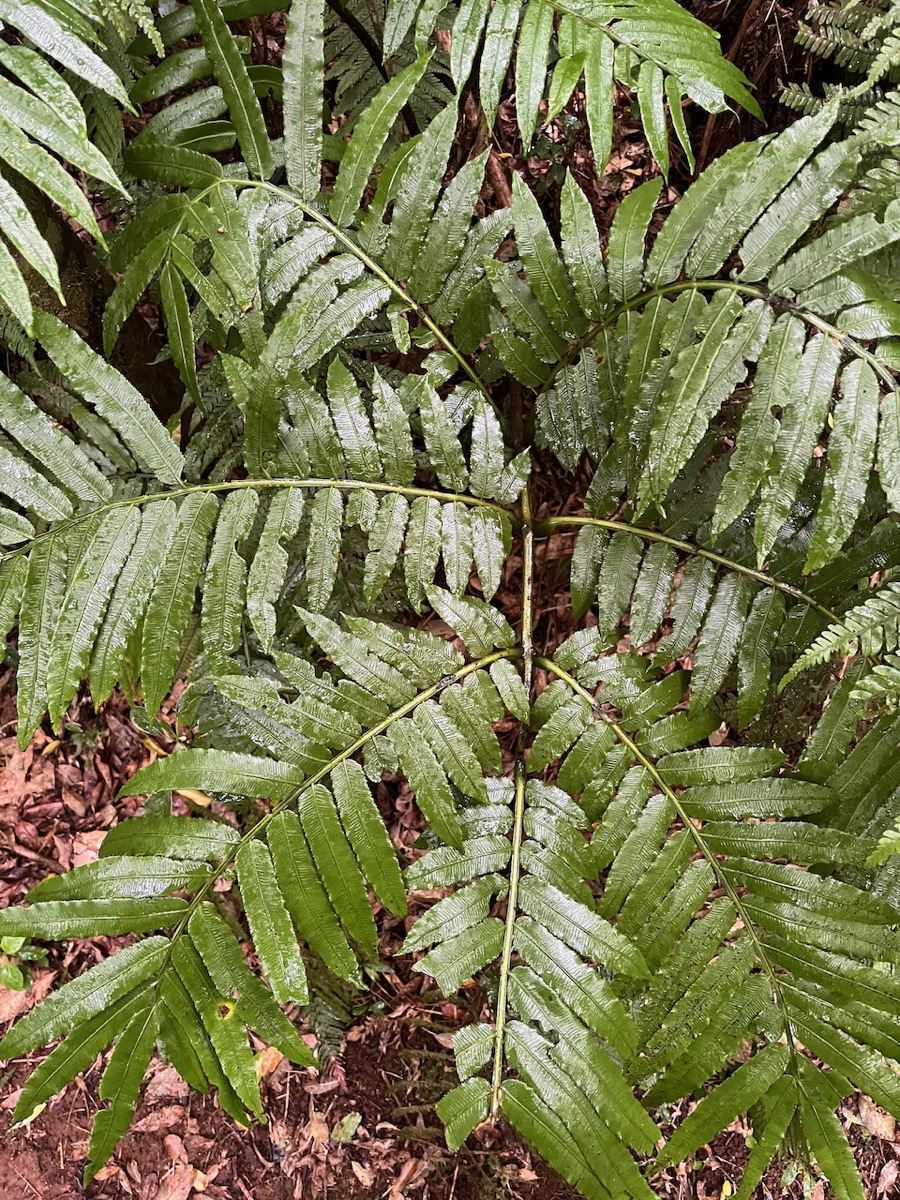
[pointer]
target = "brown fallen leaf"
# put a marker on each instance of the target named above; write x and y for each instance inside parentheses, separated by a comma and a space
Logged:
(267, 1060)
(87, 843)
(175, 1148)
(202, 1179)
(365, 1175)
(317, 1130)
(161, 1118)
(876, 1120)
(411, 1172)
(107, 1172)
(165, 1084)
(887, 1178)
(15, 1004)
(178, 1184)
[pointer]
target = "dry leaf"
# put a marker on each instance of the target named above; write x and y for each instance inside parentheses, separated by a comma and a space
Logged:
(319, 1089)
(202, 1179)
(87, 843)
(178, 1184)
(175, 1148)
(411, 1172)
(318, 1130)
(365, 1175)
(876, 1120)
(267, 1060)
(106, 1172)
(161, 1118)
(165, 1084)
(15, 1004)
(887, 1178)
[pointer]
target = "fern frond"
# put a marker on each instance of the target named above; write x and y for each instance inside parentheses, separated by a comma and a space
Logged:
(680, 344)
(678, 54)
(700, 987)
(871, 626)
(44, 131)
(653, 902)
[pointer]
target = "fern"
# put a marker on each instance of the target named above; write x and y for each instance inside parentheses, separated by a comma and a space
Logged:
(652, 916)
(43, 130)
(872, 626)
(863, 37)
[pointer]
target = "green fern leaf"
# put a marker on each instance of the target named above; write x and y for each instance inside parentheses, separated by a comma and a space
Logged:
(171, 601)
(231, 74)
(538, 1122)
(113, 397)
(214, 771)
(121, 877)
(269, 567)
(120, 1084)
(337, 865)
(545, 271)
(86, 996)
(829, 1145)
(872, 621)
(91, 582)
(270, 924)
(306, 898)
(76, 1053)
(719, 637)
(625, 259)
(229, 971)
(130, 596)
(43, 590)
(736, 1094)
(420, 181)
(303, 65)
(800, 428)
(230, 1051)
(464, 1108)
(889, 447)
(531, 65)
(462, 956)
(499, 39)
(42, 29)
(368, 138)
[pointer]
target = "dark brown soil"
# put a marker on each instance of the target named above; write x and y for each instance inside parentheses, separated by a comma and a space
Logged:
(182, 1141)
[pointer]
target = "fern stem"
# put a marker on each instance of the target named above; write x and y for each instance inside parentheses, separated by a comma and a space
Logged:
(696, 834)
(528, 535)
(518, 832)
(368, 262)
(344, 238)
(722, 285)
(257, 485)
(515, 873)
(403, 711)
(547, 526)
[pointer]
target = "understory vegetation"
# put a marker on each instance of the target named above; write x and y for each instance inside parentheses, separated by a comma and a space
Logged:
(675, 874)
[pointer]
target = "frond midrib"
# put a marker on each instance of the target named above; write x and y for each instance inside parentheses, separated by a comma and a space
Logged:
(695, 834)
(261, 484)
(342, 756)
(749, 292)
